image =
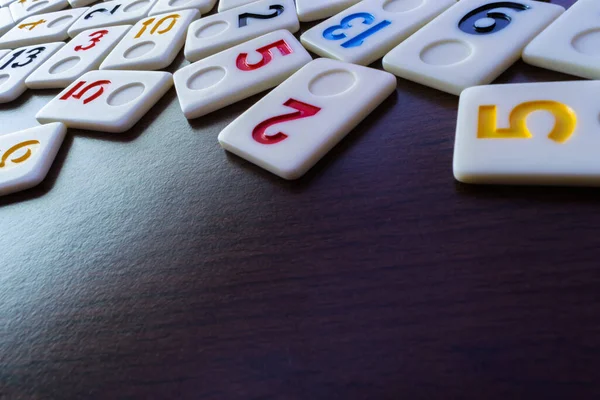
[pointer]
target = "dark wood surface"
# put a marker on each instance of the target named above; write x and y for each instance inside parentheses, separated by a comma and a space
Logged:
(153, 265)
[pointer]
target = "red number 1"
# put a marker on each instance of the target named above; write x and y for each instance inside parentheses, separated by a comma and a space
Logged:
(267, 55)
(304, 111)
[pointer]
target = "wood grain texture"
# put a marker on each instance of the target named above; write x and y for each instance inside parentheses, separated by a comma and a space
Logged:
(153, 265)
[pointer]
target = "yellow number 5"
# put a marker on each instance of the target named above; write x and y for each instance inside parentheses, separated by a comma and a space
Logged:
(565, 121)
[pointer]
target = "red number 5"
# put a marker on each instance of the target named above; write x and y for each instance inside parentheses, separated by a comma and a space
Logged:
(267, 55)
(304, 111)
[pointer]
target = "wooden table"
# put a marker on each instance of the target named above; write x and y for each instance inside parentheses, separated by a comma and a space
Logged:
(153, 265)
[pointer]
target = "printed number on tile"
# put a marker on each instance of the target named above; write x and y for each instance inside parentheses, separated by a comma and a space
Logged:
(95, 38)
(243, 18)
(102, 10)
(18, 153)
(97, 85)
(336, 32)
(565, 121)
(304, 110)
(169, 21)
(32, 25)
(267, 55)
(30, 55)
(489, 18)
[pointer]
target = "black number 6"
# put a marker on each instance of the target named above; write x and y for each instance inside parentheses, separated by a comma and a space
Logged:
(484, 20)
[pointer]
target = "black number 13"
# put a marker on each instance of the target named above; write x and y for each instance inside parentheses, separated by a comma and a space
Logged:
(31, 55)
(488, 19)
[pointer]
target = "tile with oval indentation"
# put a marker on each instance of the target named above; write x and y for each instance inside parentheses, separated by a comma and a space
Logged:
(22, 9)
(26, 156)
(152, 43)
(217, 32)
(109, 101)
(239, 72)
(225, 5)
(571, 44)
(297, 123)
(112, 13)
(365, 32)
(470, 44)
(164, 6)
(542, 133)
(6, 20)
(16, 66)
(6, 3)
(312, 10)
(82, 54)
(42, 28)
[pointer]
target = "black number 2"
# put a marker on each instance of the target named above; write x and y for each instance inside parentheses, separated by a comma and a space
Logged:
(31, 55)
(243, 18)
(488, 19)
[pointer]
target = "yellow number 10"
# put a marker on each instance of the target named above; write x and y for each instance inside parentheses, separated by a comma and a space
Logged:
(148, 22)
(565, 121)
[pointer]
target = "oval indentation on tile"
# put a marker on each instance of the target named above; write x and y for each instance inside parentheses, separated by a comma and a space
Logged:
(401, 5)
(64, 65)
(139, 50)
(3, 79)
(331, 83)
(175, 3)
(125, 94)
(37, 5)
(136, 5)
(206, 78)
(587, 42)
(212, 29)
(60, 21)
(446, 52)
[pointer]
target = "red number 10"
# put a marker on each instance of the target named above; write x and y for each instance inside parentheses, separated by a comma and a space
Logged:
(267, 55)
(304, 111)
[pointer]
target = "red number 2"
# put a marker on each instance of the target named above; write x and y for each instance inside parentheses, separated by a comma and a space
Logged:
(95, 38)
(304, 111)
(267, 55)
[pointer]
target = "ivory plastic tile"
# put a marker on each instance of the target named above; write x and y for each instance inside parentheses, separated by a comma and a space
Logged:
(218, 32)
(81, 3)
(367, 31)
(571, 44)
(39, 29)
(470, 44)
(110, 101)
(165, 6)
(311, 10)
(3, 53)
(238, 73)
(153, 43)
(535, 134)
(22, 9)
(6, 3)
(225, 5)
(6, 20)
(297, 123)
(82, 54)
(112, 13)
(27, 155)
(18, 64)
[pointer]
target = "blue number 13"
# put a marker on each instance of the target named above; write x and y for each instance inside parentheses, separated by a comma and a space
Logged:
(346, 23)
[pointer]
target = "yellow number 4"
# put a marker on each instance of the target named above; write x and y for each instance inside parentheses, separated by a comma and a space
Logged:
(565, 121)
